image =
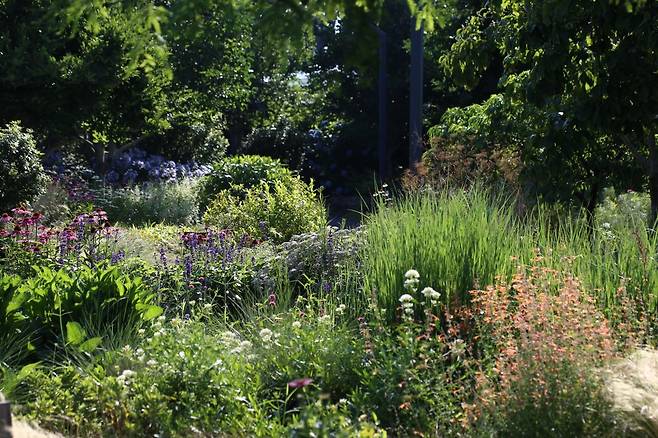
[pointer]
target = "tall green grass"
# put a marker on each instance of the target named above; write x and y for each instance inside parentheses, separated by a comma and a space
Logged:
(461, 240)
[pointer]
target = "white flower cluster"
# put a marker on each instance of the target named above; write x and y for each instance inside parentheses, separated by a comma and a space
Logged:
(340, 309)
(407, 304)
(126, 377)
(241, 347)
(267, 335)
(431, 295)
(325, 319)
(411, 280)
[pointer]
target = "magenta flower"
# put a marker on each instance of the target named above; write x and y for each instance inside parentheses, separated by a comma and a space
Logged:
(300, 383)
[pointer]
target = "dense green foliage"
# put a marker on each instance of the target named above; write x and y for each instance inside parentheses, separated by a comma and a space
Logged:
(23, 177)
(465, 239)
(63, 308)
(276, 210)
(239, 173)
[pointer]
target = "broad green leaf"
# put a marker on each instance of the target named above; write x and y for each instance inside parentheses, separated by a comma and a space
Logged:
(90, 344)
(152, 311)
(75, 334)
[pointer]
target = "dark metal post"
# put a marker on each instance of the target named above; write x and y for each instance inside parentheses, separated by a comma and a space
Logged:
(416, 96)
(382, 131)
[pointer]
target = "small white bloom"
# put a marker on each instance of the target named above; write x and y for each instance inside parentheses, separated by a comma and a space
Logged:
(245, 344)
(141, 331)
(324, 319)
(296, 324)
(340, 309)
(431, 294)
(162, 319)
(192, 302)
(229, 336)
(139, 352)
(207, 306)
(128, 373)
(151, 363)
(181, 355)
(406, 298)
(266, 334)
(412, 274)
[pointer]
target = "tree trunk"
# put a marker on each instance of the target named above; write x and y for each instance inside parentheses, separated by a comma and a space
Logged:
(234, 139)
(416, 96)
(382, 131)
(653, 177)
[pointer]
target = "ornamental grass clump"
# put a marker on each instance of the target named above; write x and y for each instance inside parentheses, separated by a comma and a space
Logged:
(457, 240)
(632, 386)
(544, 338)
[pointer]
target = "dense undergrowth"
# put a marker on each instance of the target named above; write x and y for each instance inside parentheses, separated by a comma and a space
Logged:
(445, 314)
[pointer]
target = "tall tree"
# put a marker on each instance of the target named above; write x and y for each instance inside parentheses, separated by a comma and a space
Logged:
(593, 65)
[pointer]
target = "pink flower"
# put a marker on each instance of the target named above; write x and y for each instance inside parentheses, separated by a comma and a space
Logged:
(300, 383)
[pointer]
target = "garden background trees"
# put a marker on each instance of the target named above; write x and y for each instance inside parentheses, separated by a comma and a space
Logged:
(588, 72)
(569, 86)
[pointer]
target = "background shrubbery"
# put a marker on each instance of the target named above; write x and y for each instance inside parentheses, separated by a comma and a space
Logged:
(23, 177)
(152, 203)
(269, 211)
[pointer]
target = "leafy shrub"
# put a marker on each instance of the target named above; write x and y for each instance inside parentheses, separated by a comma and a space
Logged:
(75, 306)
(23, 177)
(160, 202)
(450, 163)
(272, 211)
(311, 345)
(546, 338)
(178, 382)
(630, 209)
(240, 173)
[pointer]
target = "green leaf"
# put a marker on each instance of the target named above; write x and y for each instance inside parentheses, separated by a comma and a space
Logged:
(120, 287)
(151, 312)
(75, 334)
(26, 371)
(90, 344)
